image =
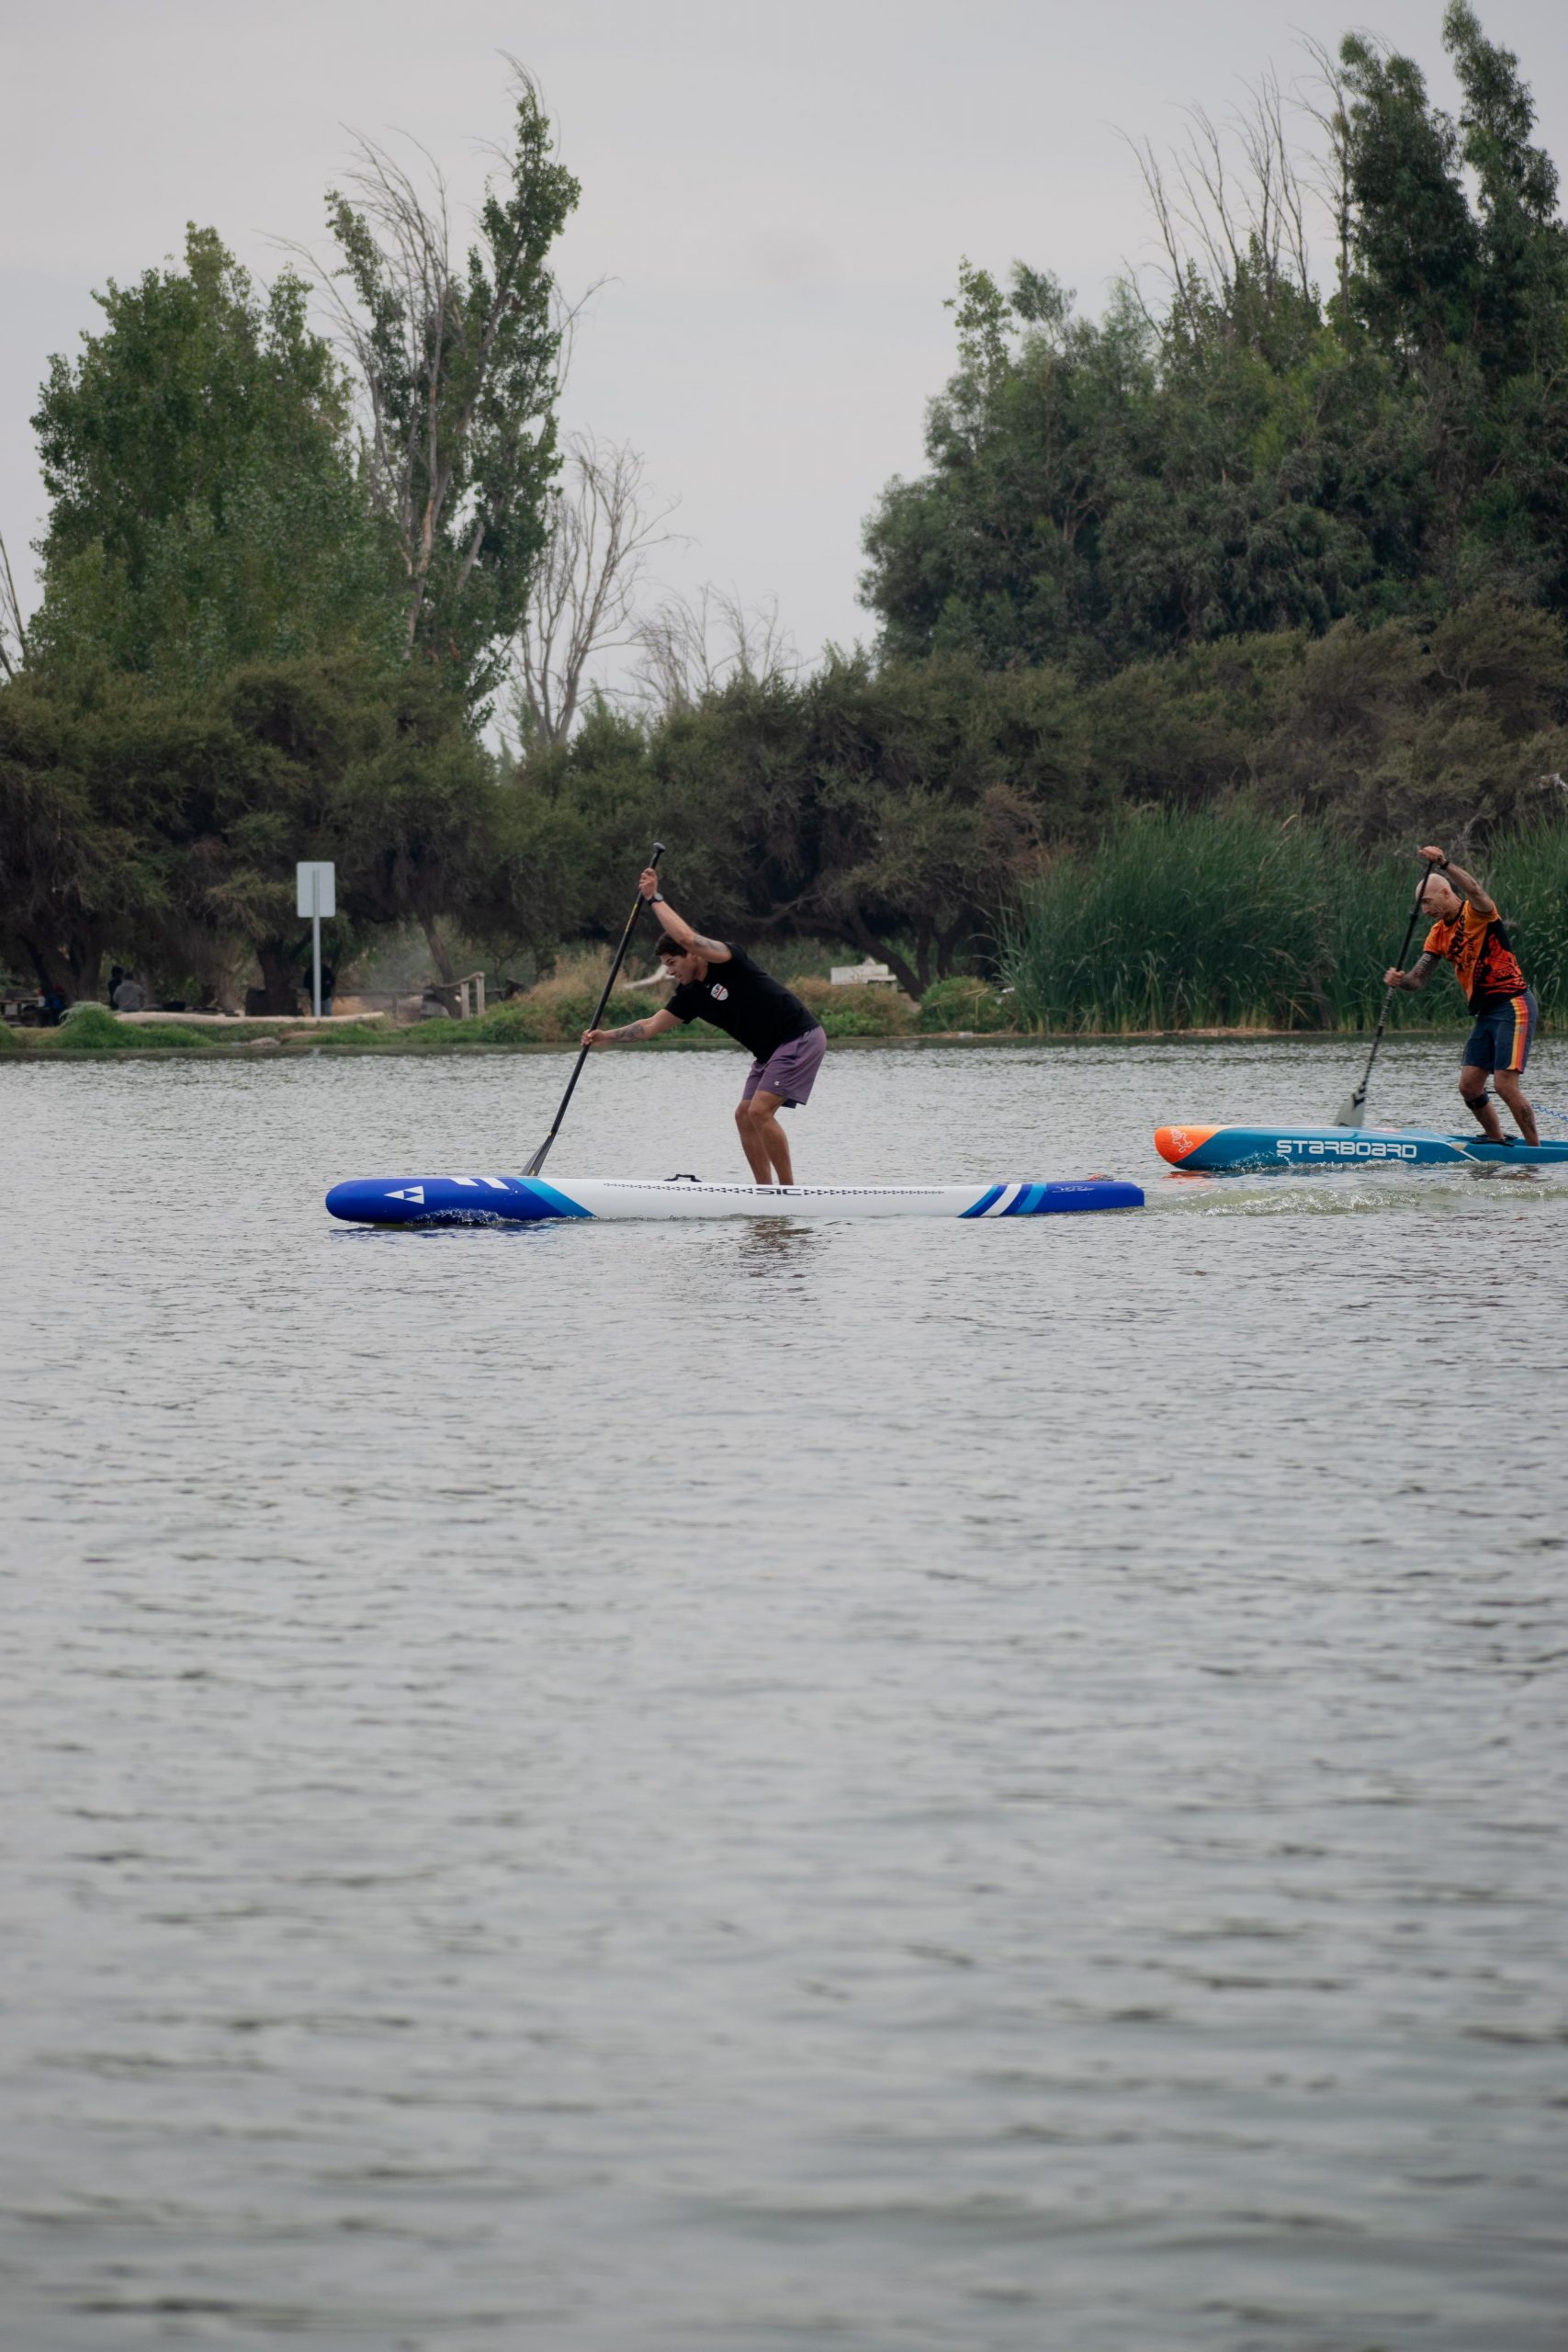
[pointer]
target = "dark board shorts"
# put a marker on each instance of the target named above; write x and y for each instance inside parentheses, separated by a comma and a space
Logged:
(790, 1072)
(1500, 1038)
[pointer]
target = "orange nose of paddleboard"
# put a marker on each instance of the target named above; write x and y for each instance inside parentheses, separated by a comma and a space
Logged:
(1177, 1144)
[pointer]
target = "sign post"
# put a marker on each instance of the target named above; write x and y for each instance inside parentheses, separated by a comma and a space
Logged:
(315, 895)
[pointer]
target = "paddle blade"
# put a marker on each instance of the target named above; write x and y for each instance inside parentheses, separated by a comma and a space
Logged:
(1352, 1111)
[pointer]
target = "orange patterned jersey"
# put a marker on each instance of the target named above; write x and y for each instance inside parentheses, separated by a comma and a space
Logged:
(1477, 946)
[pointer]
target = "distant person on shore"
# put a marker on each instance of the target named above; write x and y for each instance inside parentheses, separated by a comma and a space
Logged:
(117, 973)
(721, 984)
(1468, 933)
(128, 996)
(329, 983)
(52, 1003)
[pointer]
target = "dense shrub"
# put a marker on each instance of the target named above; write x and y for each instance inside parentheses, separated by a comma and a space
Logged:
(966, 1003)
(551, 1016)
(878, 1012)
(92, 1028)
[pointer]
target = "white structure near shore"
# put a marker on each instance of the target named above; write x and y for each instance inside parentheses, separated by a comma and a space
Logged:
(862, 976)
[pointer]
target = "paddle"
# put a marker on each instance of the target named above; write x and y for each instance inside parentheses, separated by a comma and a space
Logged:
(538, 1159)
(1353, 1113)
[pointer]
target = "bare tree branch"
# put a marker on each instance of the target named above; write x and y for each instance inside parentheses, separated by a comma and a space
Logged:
(13, 624)
(1330, 179)
(691, 647)
(1177, 268)
(582, 600)
(1233, 206)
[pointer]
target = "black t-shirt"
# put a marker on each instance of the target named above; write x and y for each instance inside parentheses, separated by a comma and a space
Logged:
(758, 1011)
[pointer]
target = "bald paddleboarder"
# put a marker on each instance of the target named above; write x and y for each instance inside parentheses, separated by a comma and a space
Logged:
(1467, 931)
(719, 983)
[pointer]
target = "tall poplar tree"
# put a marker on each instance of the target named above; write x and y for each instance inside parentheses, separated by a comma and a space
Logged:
(459, 359)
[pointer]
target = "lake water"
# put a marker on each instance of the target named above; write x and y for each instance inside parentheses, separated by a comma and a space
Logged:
(883, 1787)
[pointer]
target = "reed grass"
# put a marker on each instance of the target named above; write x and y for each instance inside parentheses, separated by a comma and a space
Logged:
(1222, 919)
(1528, 875)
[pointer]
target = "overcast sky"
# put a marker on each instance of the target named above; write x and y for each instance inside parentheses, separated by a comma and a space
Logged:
(775, 192)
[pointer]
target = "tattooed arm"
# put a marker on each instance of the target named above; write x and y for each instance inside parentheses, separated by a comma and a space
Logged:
(654, 1025)
(712, 951)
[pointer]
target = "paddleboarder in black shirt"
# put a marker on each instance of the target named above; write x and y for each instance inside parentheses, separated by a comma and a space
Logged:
(721, 984)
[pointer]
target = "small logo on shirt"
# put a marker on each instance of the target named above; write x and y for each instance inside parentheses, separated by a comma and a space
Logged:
(720, 996)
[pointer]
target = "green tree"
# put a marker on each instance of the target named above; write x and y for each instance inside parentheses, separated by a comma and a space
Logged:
(106, 794)
(217, 681)
(373, 768)
(1417, 254)
(892, 807)
(418, 820)
(1470, 305)
(459, 361)
(1248, 458)
(204, 504)
(1524, 245)
(1097, 493)
(140, 824)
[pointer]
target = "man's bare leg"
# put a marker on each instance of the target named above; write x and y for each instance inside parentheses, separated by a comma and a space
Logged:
(752, 1144)
(1507, 1084)
(763, 1140)
(775, 1143)
(1472, 1086)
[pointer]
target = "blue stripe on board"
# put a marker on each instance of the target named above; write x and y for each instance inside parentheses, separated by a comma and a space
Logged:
(986, 1201)
(559, 1203)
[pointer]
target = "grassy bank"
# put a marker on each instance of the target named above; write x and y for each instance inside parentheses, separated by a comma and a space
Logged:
(554, 1012)
(1223, 920)
(432, 1039)
(552, 1016)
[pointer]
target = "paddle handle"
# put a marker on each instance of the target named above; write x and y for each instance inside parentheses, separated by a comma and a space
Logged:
(538, 1159)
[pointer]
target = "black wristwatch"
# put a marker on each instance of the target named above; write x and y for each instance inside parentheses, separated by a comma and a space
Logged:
(657, 899)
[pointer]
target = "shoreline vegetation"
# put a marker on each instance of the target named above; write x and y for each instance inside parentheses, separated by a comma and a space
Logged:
(417, 1044)
(1197, 617)
(1180, 923)
(97, 1034)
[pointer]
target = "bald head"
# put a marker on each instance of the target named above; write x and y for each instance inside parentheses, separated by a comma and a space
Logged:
(1439, 899)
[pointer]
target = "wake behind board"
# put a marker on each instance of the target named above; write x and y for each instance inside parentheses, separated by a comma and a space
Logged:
(527, 1199)
(1234, 1150)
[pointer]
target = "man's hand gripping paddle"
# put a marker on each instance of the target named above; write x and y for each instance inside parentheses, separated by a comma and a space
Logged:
(1353, 1112)
(538, 1159)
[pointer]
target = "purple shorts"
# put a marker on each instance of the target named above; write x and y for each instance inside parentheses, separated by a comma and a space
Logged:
(790, 1072)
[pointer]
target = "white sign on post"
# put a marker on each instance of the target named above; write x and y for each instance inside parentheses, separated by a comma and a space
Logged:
(317, 887)
(315, 894)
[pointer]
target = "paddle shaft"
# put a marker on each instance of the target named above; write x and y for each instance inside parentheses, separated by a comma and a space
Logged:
(538, 1159)
(1428, 870)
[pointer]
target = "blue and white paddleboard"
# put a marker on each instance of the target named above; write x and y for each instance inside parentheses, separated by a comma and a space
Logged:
(1222, 1151)
(524, 1199)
